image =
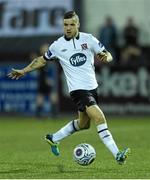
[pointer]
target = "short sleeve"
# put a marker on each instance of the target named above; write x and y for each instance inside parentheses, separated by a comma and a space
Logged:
(97, 46)
(50, 54)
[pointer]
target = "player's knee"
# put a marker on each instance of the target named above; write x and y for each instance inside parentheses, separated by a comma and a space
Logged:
(100, 118)
(84, 126)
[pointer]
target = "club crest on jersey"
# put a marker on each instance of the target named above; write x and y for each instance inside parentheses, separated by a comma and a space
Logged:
(84, 46)
(77, 59)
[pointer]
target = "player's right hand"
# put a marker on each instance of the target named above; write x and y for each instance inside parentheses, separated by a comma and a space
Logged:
(16, 74)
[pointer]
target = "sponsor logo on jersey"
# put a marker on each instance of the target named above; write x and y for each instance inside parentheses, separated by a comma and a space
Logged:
(77, 59)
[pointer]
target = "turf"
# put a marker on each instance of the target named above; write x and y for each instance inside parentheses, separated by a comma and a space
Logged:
(24, 153)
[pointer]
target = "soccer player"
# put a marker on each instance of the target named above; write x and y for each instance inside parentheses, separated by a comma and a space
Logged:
(75, 52)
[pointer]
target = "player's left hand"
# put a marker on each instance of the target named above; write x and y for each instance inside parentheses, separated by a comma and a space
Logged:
(16, 74)
(102, 56)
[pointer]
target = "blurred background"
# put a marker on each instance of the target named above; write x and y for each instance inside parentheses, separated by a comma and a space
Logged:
(28, 27)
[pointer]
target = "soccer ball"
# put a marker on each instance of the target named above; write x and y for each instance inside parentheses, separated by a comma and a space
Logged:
(84, 154)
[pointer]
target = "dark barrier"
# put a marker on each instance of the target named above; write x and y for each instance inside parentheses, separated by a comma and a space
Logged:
(121, 90)
(19, 96)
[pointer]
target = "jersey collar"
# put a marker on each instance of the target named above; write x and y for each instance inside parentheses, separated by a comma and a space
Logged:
(68, 39)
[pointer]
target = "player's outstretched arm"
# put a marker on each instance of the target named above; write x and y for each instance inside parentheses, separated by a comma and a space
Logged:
(104, 56)
(35, 64)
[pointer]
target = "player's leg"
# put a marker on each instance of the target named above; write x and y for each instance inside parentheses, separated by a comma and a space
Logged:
(67, 130)
(83, 122)
(95, 113)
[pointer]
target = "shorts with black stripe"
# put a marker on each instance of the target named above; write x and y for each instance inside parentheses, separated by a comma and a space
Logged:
(83, 98)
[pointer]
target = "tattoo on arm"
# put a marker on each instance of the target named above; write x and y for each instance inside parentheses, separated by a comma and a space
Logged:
(34, 63)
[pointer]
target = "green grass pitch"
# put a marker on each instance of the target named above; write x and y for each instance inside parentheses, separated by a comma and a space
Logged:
(24, 153)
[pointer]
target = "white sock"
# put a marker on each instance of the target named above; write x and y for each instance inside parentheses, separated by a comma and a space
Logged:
(65, 131)
(107, 138)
